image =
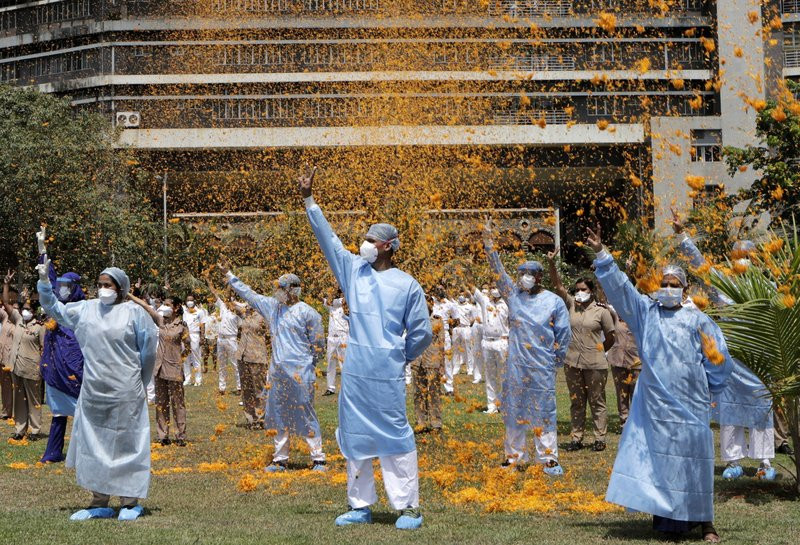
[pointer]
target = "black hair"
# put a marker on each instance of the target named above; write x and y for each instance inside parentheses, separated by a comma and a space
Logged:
(176, 302)
(588, 281)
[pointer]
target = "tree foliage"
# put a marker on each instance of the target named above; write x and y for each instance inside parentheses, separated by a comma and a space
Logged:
(58, 167)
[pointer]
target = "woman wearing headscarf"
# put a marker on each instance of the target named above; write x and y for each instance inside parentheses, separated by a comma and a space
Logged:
(62, 359)
(110, 444)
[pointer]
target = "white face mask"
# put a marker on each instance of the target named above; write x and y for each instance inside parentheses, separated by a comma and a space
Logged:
(281, 296)
(107, 296)
(368, 251)
(336, 303)
(669, 297)
(582, 296)
(165, 311)
(462, 299)
(495, 293)
(27, 315)
(527, 281)
(64, 292)
(189, 304)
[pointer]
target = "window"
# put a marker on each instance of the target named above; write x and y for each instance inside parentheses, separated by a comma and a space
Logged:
(706, 145)
(601, 106)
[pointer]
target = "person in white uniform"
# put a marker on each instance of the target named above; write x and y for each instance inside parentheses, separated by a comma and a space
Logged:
(227, 340)
(194, 317)
(338, 330)
(494, 344)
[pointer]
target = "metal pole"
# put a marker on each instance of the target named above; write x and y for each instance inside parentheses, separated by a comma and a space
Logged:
(557, 234)
(165, 212)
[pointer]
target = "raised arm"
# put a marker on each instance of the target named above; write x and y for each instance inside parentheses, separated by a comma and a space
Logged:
(503, 281)
(417, 322)
(555, 278)
(66, 315)
(6, 296)
(264, 305)
(157, 318)
(41, 242)
(623, 296)
(339, 259)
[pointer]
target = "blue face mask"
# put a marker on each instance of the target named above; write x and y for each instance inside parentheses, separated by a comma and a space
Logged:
(670, 297)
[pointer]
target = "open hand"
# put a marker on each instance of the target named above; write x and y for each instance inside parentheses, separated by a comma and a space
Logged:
(9, 276)
(41, 238)
(44, 270)
(677, 224)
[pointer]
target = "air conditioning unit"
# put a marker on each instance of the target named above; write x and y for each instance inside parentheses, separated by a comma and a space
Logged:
(128, 120)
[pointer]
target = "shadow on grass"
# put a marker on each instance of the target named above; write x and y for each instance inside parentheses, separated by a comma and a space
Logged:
(634, 530)
(754, 491)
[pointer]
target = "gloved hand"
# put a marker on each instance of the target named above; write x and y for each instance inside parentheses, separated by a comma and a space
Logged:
(43, 269)
(41, 237)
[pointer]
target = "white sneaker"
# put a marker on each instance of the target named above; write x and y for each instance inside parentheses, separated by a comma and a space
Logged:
(491, 409)
(186, 382)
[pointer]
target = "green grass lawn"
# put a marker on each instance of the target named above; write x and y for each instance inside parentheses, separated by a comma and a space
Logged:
(194, 503)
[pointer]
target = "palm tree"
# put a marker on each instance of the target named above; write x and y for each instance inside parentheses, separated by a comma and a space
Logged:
(762, 326)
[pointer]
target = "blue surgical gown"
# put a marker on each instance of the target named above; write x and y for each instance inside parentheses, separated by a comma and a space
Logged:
(745, 401)
(538, 338)
(297, 342)
(665, 461)
(110, 443)
(389, 327)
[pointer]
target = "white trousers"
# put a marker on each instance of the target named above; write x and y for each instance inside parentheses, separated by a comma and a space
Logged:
(733, 447)
(495, 353)
(335, 358)
(477, 353)
(282, 447)
(400, 478)
(462, 349)
(151, 391)
(448, 362)
(226, 354)
(191, 365)
(516, 448)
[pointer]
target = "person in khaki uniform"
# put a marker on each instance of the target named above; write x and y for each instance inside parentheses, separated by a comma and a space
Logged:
(586, 369)
(168, 377)
(6, 388)
(253, 357)
(428, 371)
(625, 366)
(27, 342)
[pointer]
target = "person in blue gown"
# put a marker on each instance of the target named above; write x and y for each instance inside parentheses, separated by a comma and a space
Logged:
(665, 461)
(389, 327)
(745, 405)
(62, 360)
(110, 443)
(298, 343)
(539, 336)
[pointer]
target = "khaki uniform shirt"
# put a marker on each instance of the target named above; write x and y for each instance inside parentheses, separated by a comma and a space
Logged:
(253, 340)
(27, 343)
(169, 363)
(624, 353)
(433, 357)
(6, 338)
(589, 325)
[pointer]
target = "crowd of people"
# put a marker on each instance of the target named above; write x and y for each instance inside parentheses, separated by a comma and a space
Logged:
(102, 359)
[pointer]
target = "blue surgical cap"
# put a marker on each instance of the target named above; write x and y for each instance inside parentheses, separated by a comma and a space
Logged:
(288, 280)
(531, 267)
(744, 246)
(120, 278)
(385, 233)
(677, 272)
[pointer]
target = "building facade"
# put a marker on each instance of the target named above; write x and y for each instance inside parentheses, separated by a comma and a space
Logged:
(624, 95)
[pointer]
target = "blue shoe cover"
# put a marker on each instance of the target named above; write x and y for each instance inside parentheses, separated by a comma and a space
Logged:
(319, 467)
(131, 513)
(555, 470)
(732, 472)
(406, 522)
(768, 474)
(355, 516)
(93, 513)
(275, 468)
